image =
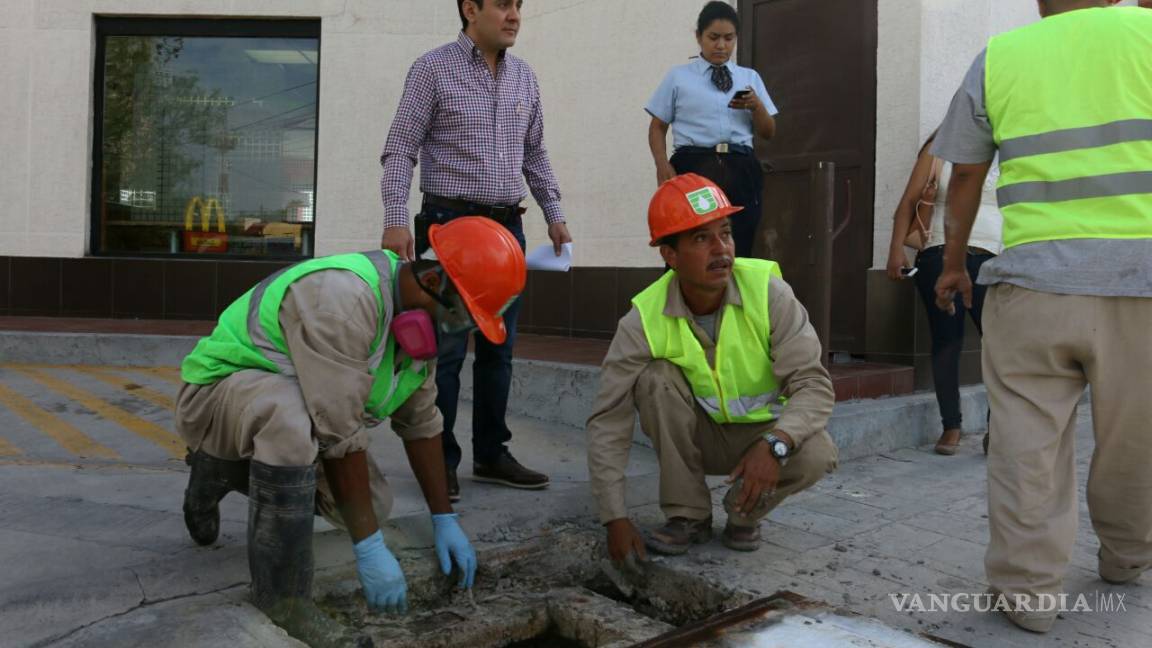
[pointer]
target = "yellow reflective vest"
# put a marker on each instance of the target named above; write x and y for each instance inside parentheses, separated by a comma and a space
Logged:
(249, 336)
(741, 387)
(1070, 103)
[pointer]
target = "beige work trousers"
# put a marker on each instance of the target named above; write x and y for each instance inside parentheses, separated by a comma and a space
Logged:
(258, 415)
(1040, 350)
(690, 445)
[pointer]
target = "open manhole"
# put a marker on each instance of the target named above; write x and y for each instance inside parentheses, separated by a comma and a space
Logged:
(560, 592)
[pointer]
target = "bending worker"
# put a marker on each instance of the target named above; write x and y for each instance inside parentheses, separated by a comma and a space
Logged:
(300, 367)
(720, 361)
(1067, 104)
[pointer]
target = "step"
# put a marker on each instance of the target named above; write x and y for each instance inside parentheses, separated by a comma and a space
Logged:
(555, 379)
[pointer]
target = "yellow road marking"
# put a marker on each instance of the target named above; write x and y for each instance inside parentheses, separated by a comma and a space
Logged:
(69, 438)
(138, 426)
(136, 389)
(8, 450)
(171, 374)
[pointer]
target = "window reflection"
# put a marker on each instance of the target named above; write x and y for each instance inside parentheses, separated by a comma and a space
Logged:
(208, 146)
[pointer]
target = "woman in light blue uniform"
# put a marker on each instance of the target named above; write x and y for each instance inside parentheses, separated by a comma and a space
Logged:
(714, 107)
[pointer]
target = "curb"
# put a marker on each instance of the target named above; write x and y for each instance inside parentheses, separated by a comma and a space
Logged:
(554, 392)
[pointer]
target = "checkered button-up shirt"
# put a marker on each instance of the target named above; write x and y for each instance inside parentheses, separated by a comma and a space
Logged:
(478, 136)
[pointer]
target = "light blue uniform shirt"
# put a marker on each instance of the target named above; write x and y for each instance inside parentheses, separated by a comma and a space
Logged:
(698, 112)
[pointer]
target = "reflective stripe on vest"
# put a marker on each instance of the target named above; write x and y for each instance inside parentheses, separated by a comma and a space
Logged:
(249, 336)
(1070, 103)
(742, 388)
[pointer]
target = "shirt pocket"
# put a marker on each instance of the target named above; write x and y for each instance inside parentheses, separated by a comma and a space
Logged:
(461, 108)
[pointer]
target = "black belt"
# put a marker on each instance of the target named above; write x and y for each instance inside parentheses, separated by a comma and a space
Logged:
(738, 149)
(499, 213)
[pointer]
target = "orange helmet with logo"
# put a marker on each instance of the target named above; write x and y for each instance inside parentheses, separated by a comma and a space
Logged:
(683, 203)
(486, 265)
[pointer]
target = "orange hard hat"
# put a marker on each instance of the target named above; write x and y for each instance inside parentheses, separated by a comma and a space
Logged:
(683, 203)
(486, 265)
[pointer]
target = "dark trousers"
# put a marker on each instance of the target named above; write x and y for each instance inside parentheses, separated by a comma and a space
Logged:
(948, 330)
(740, 178)
(491, 371)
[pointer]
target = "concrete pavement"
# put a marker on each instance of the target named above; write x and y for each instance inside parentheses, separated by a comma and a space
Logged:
(94, 552)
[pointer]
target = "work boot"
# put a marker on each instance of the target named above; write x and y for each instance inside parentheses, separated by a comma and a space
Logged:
(741, 538)
(507, 471)
(280, 507)
(453, 486)
(678, 534)
(210, 480)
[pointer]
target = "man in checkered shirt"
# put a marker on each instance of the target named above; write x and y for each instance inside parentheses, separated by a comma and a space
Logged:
(472, 114)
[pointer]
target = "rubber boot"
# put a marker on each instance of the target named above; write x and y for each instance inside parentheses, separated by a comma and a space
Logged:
(210, 480)
(281, 502)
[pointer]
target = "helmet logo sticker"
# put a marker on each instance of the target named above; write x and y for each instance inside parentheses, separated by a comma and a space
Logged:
(703, 201)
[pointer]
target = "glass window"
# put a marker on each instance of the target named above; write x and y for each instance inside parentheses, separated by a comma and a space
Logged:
(205, 138)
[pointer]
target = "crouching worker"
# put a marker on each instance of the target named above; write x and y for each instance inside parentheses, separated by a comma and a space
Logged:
(298, 369)
(720, 361)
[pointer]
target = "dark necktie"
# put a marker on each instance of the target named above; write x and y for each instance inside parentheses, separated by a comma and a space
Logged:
(721, 77)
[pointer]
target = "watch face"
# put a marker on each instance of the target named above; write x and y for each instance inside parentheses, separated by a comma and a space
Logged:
(780, 449)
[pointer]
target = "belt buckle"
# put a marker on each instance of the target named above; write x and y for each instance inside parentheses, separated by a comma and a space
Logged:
(498, 213)
(722, 148)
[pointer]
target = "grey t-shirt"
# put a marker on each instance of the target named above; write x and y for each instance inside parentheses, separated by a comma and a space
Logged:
(707, 323)
(1101, 267)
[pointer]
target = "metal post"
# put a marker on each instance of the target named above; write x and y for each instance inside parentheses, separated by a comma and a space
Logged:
(823, 193)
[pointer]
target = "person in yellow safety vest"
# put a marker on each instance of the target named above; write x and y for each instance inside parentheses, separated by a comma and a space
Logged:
(299, 368)
(1067, 102)
(724, 368)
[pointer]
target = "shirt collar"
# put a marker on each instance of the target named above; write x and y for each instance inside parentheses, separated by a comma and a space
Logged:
(676, 307)
(469, 47)
(704, 67)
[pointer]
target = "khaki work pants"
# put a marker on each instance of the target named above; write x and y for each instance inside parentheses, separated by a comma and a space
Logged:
(690, 445)
(1040, 350)
(258, 415)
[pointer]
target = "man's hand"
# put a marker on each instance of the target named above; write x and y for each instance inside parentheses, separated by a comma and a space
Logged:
(380, 575)
(664, 172)
(558, 232)
(399, 240)
(624, 539)
(452, 545)
(760, 471)
(950, 283)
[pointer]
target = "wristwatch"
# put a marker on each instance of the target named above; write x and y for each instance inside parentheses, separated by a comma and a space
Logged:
(779, 448)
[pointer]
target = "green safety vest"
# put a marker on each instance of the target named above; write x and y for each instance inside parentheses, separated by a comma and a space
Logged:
(1070, 103)
(248, 335)
(741, 388)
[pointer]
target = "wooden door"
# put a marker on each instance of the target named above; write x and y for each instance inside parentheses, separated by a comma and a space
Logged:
(818, 61)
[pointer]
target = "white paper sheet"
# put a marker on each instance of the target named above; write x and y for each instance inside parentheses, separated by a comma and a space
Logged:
(544, 258)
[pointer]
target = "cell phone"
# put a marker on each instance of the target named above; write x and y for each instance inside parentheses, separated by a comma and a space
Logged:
(909, 272)
(740, 94)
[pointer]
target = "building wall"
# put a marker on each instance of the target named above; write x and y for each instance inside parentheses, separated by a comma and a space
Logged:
(597, 62)
(925, 48)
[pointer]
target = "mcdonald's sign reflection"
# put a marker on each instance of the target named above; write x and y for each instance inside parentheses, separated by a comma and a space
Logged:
(204, 241)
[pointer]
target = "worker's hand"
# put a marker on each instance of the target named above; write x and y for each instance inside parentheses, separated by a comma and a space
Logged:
(748, 102)
(558, 232)
(399, 240)
(950, 283)
(453, 546)
(759, 471)
(664, 172)
(896, 261)
(380, 575)
(624, 539)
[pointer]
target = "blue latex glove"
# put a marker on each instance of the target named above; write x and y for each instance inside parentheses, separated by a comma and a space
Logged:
(453, 545)
(380, 575)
